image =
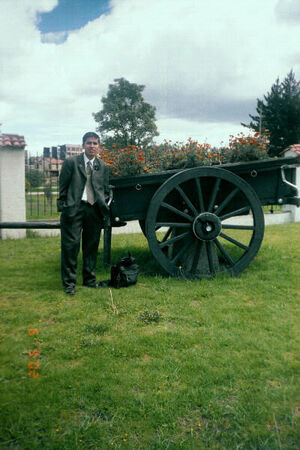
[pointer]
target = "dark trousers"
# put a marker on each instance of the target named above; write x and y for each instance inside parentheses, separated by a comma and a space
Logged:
(85, 226)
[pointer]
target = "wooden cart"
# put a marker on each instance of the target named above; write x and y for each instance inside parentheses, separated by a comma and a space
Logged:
(205, 220)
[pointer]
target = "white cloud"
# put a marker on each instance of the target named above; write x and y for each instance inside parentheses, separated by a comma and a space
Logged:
(181, 130)
(55, 38)
(288, 11)
(203, 64)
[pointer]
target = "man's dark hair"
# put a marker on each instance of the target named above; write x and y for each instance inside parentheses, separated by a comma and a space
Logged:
(88, 135)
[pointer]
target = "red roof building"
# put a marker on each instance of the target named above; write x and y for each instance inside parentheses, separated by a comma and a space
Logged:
(12, 140)
(295, 148)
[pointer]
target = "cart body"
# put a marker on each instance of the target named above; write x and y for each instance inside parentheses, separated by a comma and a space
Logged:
(132, 195)
(192, 217)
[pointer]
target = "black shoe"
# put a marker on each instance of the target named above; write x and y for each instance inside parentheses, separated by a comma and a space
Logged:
(91, 285)
(70, 290)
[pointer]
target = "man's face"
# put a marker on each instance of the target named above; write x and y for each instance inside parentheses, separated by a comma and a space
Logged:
(91, 147)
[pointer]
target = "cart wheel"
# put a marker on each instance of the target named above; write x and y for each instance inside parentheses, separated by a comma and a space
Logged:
(194, 225)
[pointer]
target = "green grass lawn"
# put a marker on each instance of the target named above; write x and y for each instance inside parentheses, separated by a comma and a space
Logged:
(165, 364)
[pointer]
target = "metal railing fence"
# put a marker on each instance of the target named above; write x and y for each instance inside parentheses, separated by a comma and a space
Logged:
(41, 188)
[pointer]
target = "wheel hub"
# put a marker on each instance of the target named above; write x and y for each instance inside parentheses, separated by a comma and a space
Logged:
(207, 226)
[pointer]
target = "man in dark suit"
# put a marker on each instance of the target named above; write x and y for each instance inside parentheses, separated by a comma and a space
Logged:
(83, 190)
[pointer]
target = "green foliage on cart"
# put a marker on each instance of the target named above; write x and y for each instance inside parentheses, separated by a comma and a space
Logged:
(134, 160)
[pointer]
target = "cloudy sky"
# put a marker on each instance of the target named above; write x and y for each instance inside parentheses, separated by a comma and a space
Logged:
(204, 63)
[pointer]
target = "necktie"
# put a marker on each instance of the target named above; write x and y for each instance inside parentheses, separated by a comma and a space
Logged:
(89, 187)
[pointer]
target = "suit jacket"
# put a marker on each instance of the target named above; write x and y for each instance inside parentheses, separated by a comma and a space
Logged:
(72, 181)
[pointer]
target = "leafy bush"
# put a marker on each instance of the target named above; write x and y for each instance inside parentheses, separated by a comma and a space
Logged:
(133, 160)
(124, 161)
(170, 156)
(148, 316)
(247, 148)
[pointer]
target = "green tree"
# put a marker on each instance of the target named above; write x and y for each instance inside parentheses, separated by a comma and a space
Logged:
(34, 176)
(126, 119)
(279, 114)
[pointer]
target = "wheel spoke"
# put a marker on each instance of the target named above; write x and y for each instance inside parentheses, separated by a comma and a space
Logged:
(234, 241)
(214, 194)
(237, 212)
(173, 224)
(226, 201)
(209, 252)
(197, 254)
(177, 211)
(174, 239)
(200, 195)
(237, 227)
(224, 252)
(187, 200)
(182, 251)
(167, 235)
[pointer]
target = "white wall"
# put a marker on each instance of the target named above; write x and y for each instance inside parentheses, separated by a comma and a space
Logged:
(12, 190)
(292, 209)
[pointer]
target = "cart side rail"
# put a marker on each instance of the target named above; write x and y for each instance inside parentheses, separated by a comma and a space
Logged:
(132, 195)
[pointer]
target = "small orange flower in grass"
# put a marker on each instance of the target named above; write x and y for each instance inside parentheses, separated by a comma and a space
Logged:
(34, 365)
(33, 331)
(32, 372)
(33, 353)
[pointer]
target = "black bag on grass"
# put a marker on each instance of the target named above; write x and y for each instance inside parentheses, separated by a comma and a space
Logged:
(124, 273)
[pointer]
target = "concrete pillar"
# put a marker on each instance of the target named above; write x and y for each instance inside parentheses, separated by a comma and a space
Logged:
(12, 187)
(294, 210)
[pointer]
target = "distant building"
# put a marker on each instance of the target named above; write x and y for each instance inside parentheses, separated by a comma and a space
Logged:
(52, 159)
(292, 150)
(67, 150)
(46, 152)
(62, 151)
(54, 152)
(33, 162)
(52, 167)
